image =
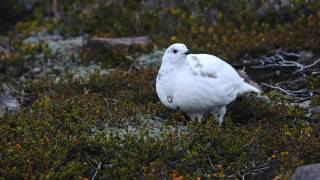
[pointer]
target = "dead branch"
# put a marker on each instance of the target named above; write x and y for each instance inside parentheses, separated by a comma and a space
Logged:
(308, 66)
(210, 162)
(278, 88)
(302, 95)
(280, 60)
(96, 172)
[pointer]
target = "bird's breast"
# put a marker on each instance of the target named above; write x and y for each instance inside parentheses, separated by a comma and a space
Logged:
(165, 88)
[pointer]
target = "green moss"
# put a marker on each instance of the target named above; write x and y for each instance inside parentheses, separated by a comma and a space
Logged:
(65, 135)
(238, 30)
(120, 57)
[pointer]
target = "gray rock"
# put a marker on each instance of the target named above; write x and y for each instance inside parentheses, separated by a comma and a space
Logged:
(305, 104)
(123, 41)
(314, 112)
(8, 103)
(65, 48)
(64, 64)
(308, 172)
(32, 40)
(83, 73)
(59, 46)
(42, 37)
(152, 60)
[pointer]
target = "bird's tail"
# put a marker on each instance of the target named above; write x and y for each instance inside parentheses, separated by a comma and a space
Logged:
(249, 88)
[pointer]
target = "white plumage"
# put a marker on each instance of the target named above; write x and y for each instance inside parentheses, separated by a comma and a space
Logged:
(198, 83)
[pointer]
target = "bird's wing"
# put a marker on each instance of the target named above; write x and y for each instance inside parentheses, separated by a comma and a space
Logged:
(212, 67)
(220, 77)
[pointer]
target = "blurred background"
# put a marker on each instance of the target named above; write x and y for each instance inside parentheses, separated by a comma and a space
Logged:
(77, 97)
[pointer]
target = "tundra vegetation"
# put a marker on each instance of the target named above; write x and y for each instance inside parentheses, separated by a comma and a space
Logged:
(75, 106)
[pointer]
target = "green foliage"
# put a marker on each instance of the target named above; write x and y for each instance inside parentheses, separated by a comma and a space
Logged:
(65, 135)
(111, 57)
(229, 29)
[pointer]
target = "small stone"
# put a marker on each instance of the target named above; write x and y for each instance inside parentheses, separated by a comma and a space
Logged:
(314, 112)
(122, 41)
(152, 60)
(307, 57)
(36, 70)
(8, 103)
(305, 104)
(32, 40)
(308, 172)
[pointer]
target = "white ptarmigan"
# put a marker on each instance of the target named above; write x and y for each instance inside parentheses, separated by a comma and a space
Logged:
(198, 83)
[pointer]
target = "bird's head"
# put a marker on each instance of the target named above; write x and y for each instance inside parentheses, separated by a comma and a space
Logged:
(175, 53)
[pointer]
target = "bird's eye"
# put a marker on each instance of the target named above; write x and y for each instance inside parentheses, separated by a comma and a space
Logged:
(175, 51)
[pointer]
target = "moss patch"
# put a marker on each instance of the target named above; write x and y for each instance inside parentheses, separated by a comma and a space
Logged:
(118, 122)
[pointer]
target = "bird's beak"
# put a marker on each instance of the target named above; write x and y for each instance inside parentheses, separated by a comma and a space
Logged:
(188, 52)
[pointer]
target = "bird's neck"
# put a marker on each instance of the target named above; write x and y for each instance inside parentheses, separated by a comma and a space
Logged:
(168, 64)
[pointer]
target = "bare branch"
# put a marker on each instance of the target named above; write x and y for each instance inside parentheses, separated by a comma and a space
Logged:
(279, 60)
(96, 172)
(273, 65)
(301, 95)
(278, 88)
(308, 66)
(210, 162)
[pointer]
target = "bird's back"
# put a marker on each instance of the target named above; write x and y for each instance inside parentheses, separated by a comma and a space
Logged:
(213, 64)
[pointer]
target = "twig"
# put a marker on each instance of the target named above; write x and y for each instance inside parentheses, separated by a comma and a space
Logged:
(260, 169)
(302, 95)
(210, 162)
(273, 65)
(279, 60)
(96, 172)
(232, 175)
(107, 103)
(308, 66)
(313, 64)
(297, 55)
(300, 66)
(278, 88)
